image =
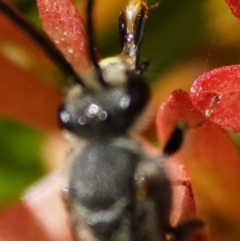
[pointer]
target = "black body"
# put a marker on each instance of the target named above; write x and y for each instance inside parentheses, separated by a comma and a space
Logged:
(117, 191)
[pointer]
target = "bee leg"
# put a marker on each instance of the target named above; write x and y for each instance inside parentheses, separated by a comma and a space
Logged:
(143, 65)
(184, 230)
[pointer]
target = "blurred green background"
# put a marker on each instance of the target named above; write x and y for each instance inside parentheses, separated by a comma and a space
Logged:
(195, 35)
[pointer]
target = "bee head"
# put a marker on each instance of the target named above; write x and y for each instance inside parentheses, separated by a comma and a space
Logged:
(110, 111)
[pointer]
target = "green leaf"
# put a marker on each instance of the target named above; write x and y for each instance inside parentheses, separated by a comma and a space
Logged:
(19, 159)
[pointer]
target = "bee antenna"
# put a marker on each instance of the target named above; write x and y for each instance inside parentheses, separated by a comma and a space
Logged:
(91, 48)
(42, 41)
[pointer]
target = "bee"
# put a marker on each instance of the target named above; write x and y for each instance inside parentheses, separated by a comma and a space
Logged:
(115, 190)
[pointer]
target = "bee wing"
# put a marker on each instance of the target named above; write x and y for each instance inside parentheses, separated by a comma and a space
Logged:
(64, 26)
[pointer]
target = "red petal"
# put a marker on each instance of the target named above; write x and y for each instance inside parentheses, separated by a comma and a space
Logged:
(211, 160)
(24, 95)
(175, 109)
(40, 216)
(235, 7)
(183, 204)
(66, 29)
(217, 95)
(29, 100)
